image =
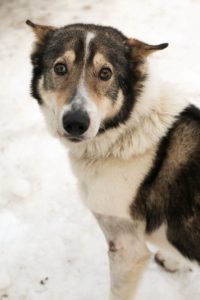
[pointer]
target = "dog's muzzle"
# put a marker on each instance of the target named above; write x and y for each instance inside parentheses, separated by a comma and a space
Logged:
(76, 123)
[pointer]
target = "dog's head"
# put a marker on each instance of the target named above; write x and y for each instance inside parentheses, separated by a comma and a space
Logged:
(86, 78)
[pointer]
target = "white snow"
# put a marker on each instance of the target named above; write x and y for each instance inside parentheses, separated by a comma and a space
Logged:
(20, 187)
(50, 246)
(4, 278)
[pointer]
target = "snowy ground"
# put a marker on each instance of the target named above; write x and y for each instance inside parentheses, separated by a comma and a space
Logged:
(50, 245)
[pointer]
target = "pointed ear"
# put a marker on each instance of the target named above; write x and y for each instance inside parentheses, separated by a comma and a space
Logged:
(41, 32)
(139, 50)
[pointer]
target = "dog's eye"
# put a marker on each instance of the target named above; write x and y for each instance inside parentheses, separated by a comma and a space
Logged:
(60, 69)
(105, 74)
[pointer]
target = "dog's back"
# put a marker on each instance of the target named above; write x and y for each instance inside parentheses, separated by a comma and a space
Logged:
(170, 192)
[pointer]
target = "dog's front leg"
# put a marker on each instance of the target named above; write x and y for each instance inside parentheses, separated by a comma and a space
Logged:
(128, 255)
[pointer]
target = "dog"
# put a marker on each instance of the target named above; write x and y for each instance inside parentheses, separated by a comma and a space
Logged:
(134, 145)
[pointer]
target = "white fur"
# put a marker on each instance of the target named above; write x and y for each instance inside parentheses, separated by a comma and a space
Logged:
(170, 264)
(130, 257)
(109, 185)
(90, 36)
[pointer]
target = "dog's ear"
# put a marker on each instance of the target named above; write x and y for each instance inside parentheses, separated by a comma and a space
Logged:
(42, 33)
(139, 51)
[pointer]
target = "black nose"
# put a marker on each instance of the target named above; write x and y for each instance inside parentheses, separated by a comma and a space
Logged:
(76, 123)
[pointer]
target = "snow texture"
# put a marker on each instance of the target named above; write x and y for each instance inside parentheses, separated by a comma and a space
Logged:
(50, 246)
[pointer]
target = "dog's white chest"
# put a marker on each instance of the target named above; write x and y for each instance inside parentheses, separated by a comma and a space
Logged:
(109, 186)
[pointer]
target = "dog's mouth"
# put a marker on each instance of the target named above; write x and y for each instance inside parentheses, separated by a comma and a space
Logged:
(74, 139)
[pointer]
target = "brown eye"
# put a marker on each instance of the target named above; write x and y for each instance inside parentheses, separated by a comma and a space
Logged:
(105, 74)
(60, 69)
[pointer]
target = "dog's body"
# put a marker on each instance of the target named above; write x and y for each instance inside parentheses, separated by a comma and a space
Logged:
(134, 145)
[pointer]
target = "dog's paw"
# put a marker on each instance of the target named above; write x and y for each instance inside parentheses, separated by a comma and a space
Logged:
(169, 263)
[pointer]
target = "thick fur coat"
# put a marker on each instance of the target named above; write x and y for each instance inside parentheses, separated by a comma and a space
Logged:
(134, 145)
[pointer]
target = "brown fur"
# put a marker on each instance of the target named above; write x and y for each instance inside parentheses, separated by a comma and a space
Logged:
(140, 50)
(41, 32)
(182, 145)
(170, 192)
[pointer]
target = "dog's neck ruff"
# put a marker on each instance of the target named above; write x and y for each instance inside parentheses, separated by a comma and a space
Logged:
(154, 113)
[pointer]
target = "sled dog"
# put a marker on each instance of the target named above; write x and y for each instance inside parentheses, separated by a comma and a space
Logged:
(134, 144)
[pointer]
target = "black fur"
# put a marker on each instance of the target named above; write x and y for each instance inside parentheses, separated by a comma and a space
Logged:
(171, 194)
(36, 59)
(38, 66)
(112, 32)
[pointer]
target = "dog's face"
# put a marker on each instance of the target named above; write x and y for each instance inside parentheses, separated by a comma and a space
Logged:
(86, 77)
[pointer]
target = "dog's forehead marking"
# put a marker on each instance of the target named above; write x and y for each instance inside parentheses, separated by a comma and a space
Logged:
(81, 87)
(89, 37)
